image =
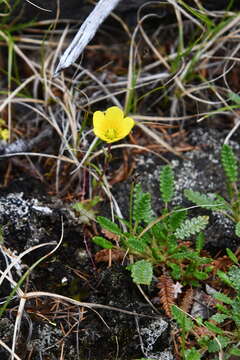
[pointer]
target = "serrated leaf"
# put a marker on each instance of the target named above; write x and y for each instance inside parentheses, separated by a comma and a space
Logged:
(212, 327)
(191, 227)
(159, 230)
(109, 225)
(200, 275)
(100, 241)
(142, 209)
(223, 309)
(232, 256)
(219, 318)
(142, 272)
(224, 277)
(166, 183)
(222, 297)
(234, 276)
(136, 244)
(182, 319)
(237, 229)
(176, 270)
(192, 354)
(199, 242)
(176, 219)
(235, 351)
(203, 200)
(218, 344)
(229, 163)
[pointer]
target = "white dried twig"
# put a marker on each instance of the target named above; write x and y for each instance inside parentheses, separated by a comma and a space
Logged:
(86, 33)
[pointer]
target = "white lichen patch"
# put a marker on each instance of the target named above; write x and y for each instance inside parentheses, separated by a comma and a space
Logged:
(150, 335)
(45, 210)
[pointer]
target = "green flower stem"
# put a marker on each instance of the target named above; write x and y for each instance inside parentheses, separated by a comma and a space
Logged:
(108, 157)
(131, 206)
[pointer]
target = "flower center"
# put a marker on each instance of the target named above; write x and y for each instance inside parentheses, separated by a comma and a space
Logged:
(111, 134)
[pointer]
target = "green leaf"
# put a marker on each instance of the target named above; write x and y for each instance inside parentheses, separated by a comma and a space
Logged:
(213, 327)
(235, 351)
(159, 231)
(176, 219)
(183, 321)
(229, 163)
(223, 309)
(109, 225)
(232, 256)
(219, 318)
(142, 209)
(237, 229)
(100, 241)
(176, 270)
(142, 272)
(222, 297)
(192, 354)
(166, 183)
(136, 244)
(224, 277)
(203, 200)
(218, 344)
(234, 276)
(191, 227)
(86, 213)
(199, 243)
(200, 275)
(234, 97)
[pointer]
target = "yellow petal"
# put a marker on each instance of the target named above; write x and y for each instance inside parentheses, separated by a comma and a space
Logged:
(114, 114)
(125, 127)
(98, 122)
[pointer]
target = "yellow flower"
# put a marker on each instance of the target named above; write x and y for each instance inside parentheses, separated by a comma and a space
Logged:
(4, 134)
(111, 125)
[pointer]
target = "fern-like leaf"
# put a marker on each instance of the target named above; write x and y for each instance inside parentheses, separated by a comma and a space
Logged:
(192, 354)
(229, 163)
(234, 276)
(191, 227)
(176, 219)
(100, 241)
(135, 244)
(199, 243)
(166, 183)
(237, 229)
(203, 200)
(142, 210)
(182, 319)
(109, 225)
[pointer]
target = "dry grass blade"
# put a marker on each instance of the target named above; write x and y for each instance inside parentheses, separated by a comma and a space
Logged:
(91, 306)
(15, 261)
(13, 355)
(158, 139)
